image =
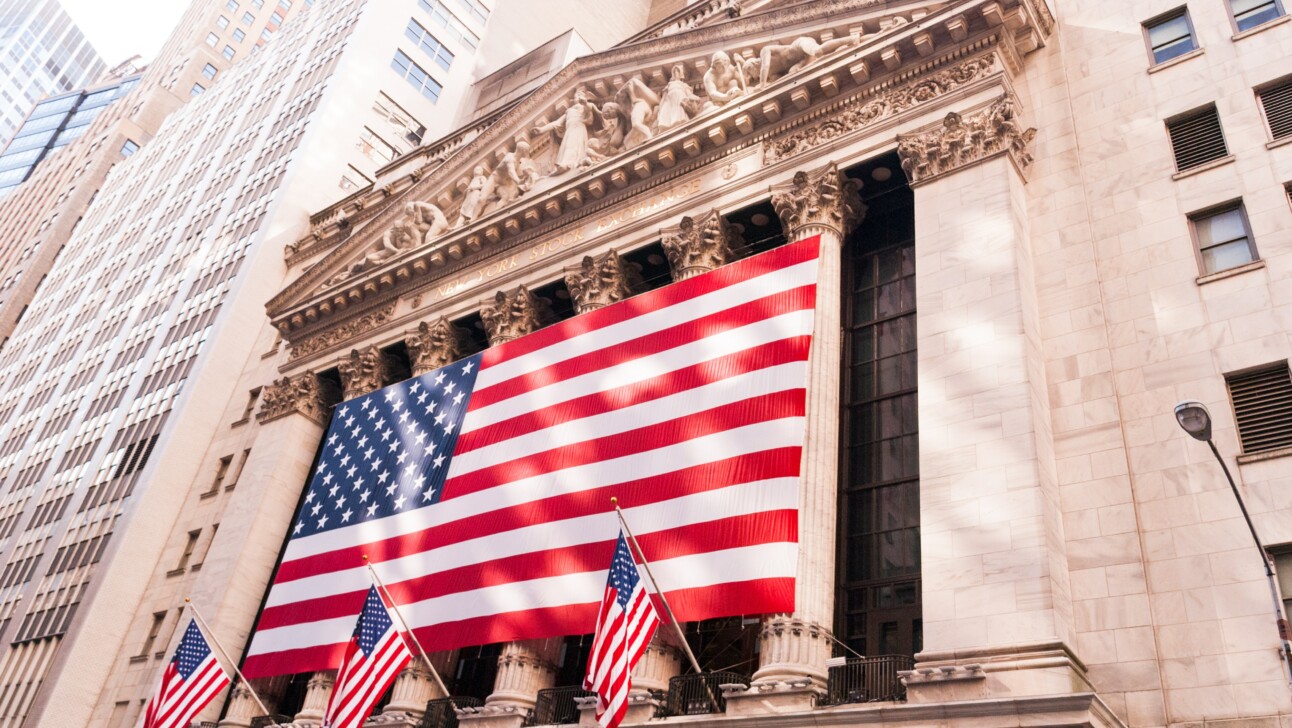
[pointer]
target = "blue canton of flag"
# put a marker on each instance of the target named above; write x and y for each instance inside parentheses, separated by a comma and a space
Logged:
(373, 622)
(192, 651)
(388, 452)
(623, 573)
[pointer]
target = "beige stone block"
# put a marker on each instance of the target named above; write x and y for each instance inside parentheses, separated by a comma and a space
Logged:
(1136, 644)
(983, 600)
(1145, 708)
(1097, 648)
(1108, 550)
(1112, 612)
(1179, 574)
(1088, 583)
(1201, 703)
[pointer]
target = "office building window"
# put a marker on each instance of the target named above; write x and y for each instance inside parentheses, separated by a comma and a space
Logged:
(159, 618)
(209, 71)
(212, 39)
(231, 6)
(1262, 400)
(238, 35)
(189, 546)
(1250, 13)
(221, 22)
(228, 52)
(248, 18)
(1223, 238)
(374, 147)
(416, 76)
(285, 4)
(445, 19)
(1170, 35)
(275, 18)
(427, 42)
(1283, 568)
(1276, 103)
(1196, 138)
(475, 9)
(196, 90)
(129, 148)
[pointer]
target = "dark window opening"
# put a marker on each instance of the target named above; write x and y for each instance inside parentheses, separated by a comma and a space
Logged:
(760, 228)
(655, 272)
(398, 365)
(558, 298)
(475, 672)
(477, 337)
(572, 662)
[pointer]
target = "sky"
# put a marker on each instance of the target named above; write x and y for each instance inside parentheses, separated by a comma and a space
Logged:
(119, 29)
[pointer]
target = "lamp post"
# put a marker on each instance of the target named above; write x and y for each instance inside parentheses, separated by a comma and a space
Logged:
(1196, 420)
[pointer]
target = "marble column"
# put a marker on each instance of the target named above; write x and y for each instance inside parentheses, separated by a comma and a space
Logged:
(292, 416)
(795, 647)
(317, 693)
(527, 666)
(600, 281)
(698, 245)
(431, 346)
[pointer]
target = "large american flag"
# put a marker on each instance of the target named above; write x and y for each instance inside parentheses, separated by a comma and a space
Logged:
(625, 624)
(373, 658)
(481, 491)
(191, 679)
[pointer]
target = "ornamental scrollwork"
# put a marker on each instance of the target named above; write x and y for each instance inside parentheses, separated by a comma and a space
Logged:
(962, 140)
(823, 198)
(302, 394)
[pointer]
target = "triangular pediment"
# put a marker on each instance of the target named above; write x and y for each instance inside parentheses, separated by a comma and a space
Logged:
(614, 119)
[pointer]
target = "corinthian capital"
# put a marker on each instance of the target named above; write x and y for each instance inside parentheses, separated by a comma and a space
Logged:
(434, 345)
(821, 199)
(963, 140)
(697, 246)
(599, 282)
(362, 371)
(302, 394)
(512, 315)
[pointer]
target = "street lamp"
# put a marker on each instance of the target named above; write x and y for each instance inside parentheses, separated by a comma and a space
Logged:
(1196, 420)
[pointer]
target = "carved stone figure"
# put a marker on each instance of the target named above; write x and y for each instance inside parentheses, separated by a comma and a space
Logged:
(640, 101)
(402, 235)
(505, 180)
(677, 103)
(775, 61)
(609, 139)
(476, 191)
(723, 81)
(362, 371)
(434, 345)
(574, 128)
(428, 219)
(962, 140)
(525, 167)
(887, 25)
(512, 315)
(301, 394)
(599, 282)
(698, 246)
(822, 198)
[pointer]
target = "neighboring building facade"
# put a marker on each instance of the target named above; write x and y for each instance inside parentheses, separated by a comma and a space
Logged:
(156, 299)
(42, 53)
(1044, 225)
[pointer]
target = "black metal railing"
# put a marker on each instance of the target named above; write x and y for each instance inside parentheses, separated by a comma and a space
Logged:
(264, 721)
(556, 706)
(440, 712)
(868, 680)
(699, 694)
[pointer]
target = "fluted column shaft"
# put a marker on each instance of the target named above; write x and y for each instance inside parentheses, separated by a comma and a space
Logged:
(317, 693)
(797, 645)
(524, 668)
(661, 661)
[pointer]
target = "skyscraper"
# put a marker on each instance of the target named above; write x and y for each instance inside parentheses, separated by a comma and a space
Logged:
(42, 53)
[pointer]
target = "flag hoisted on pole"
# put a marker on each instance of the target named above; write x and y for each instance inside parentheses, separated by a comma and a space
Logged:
(625, 625)
(479, 489)
(376, 655)
(191, 679)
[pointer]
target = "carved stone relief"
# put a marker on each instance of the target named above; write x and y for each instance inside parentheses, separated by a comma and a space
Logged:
(601, 281)
(698, 246)
(362, 371)
(822, 198)
(348, 330)
(512, 315)
(962, 140)
(863, 112)
(302, 394)
(435, 344)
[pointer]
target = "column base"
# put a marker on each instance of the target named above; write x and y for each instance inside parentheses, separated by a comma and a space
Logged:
(395, 719)
(642, 706)
(1035, 669)
(770, 697)
(493, 716)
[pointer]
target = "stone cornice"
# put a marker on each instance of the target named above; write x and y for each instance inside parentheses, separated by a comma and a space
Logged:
(766, 112)
(965, 139)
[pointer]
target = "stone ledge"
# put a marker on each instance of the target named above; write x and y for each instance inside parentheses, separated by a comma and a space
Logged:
(1261, 28)
(1176, 61)
(1230, 272)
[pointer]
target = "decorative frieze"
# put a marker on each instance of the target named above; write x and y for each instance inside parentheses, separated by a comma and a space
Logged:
(362, 371)
(434, 345)
(864, 111)
(600, 281)
(302, 394)
(824, 198)
(697, 246)
(512, 315)
(963, 140)
(348, 330)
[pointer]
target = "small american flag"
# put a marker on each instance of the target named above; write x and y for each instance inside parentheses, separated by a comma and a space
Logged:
(192, 678)
(481, 490)
(625, 625)
(376, 655)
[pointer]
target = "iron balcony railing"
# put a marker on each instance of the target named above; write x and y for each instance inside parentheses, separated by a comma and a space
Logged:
(440, 712)
(700, 693)
(868, 680)
(556, 706)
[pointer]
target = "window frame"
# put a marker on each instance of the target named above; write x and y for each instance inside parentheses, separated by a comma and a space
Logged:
(1233, 19)
(1147, 25)
(1213, 211)
(1258, 92)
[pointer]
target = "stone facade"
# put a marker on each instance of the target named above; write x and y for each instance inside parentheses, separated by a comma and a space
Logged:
(1081, 561)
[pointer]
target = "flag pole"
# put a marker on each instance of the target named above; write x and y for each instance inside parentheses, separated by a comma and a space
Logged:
(434, 673)
(667, 609)
(214, 640)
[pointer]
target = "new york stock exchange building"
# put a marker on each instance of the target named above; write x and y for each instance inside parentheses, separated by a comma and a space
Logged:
(1024, 232)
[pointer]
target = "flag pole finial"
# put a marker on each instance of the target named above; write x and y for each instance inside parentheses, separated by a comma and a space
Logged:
(365, 558)
(614, 502)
